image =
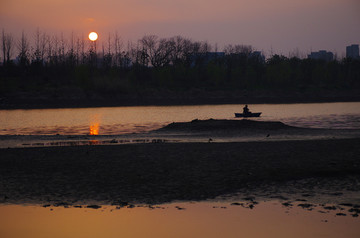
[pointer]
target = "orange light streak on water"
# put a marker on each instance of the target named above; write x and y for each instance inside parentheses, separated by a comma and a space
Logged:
(94, 124)
(94, 129)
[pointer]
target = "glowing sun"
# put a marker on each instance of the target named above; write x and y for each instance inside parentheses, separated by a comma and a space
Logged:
(93, 36)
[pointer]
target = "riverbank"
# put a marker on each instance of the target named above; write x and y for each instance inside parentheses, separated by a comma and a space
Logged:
(164, 172)
(38, 101)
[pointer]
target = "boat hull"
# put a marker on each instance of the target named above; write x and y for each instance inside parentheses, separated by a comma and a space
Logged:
(251, 114)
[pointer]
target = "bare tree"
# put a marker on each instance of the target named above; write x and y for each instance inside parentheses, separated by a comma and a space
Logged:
(7, 46)
(80, 50)
(62, 46)
(205, 47)
(294, 53)
(50, 50)
(23, 48)
(3, 44)
(138, 54)
(107, 57)
(158, 51)
(117, 47)
(163, 52)
(78, 55)
(41, 40)
(53, 49)
(178, 51)
(70, 54)
(37, 54)
(109, 45)
(238, 49)
(148, 44)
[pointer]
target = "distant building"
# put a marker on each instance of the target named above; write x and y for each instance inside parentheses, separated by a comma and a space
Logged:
(205, 58)
(257, 55)
(17, 60)
(352, 51)
(321, 55)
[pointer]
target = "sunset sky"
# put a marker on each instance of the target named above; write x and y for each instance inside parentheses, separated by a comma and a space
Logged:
(280, 26)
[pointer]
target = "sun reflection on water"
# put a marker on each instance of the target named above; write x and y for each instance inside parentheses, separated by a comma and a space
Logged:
(94, 124)
(94, 129)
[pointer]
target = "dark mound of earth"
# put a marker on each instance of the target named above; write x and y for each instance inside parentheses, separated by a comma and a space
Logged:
(224, 125)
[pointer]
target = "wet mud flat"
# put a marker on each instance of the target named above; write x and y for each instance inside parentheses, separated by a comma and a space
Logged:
(211, 130)
(164, 172)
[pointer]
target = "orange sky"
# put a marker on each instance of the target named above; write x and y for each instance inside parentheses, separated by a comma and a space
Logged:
(280, 25)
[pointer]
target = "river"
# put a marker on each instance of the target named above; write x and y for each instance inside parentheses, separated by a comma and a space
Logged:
(125, 120)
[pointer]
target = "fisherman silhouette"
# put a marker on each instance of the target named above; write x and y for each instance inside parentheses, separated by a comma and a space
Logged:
(246, 110)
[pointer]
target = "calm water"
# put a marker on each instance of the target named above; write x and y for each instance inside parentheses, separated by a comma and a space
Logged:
(123, 120)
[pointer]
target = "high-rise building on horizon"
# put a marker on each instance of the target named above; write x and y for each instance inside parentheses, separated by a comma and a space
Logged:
(352, 51)
(321, 55)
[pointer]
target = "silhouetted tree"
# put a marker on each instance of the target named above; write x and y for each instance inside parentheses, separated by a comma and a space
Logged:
(238, 49)
(41, 40)
(7, 46)
(107, 55)
(24, 54)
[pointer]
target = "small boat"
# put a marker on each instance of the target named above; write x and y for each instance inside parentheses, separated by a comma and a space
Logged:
(249, 114)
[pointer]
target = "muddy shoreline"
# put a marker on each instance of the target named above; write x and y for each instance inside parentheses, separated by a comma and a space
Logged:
(166, 172)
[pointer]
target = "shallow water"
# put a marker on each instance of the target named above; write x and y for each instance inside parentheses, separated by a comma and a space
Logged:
(202, 219)
(125, 120)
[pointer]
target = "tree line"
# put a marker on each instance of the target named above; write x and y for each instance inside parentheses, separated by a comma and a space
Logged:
(154, 64)
(48, 50)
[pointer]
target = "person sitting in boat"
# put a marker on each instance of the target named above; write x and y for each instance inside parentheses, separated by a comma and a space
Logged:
(246, 109)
